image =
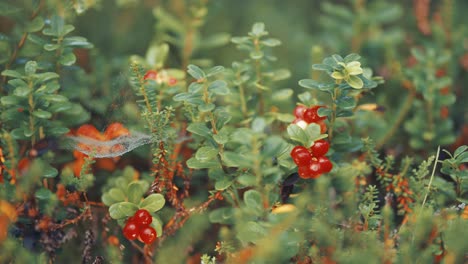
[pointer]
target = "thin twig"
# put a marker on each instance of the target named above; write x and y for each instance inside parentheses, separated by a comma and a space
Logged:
(432, 177)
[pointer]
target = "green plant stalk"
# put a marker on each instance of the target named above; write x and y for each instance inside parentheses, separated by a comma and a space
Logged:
(242, 98)
(207, 100)
(333, 117)
(400, 118)
(258, 74)
(31, 110)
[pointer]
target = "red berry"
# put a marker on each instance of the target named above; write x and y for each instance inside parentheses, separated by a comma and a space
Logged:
(325, 164)
(320, 148)
(323, 127)
(299, 111)
(142, 218)
(311, 115)
(172, 81)
(311, 171)
(301, 155)
(151, 75)
(148, 235)
(130, 230)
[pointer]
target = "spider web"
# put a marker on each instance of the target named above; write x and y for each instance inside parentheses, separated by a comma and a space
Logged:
(121, 94)
(110, 148)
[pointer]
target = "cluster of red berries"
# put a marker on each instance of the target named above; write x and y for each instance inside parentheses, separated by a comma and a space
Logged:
(160, 77)
(312, 162)
(138, 226)
(310, 115)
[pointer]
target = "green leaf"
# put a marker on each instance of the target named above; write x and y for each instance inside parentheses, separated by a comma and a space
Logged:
(11, 73)
(258, 29)
(122, 210)
(117, 195)
(283, 94)
(271, 42)
(46, 76)
(56, 98)
(215, 70)
(10, 100)
(42, 114)
(67, 59)
(256, 54)
(206, 153)
(223, 183)
(233, 159)
(322, 67)
(352, 57)
(194, 163)
(206, 107)
(219, 87)
(51, 47)
(222, 215)
(49, 171)
(153, 202)
(298, 134)
(35, 25)
(135, 191)
(460, 150)
(346, 102)
(30, 67)
(157, 225)
(355, 82)
(195, 72)
(77, 41)
(22, 91)
(43, 194)
(221, 138)
(253, 200)
(199, 129)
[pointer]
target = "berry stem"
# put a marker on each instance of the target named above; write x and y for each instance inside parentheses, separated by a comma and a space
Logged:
(335, 95)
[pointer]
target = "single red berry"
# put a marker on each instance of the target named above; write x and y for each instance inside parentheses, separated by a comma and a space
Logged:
(325, 164)
(323, 127)
(311, 171)
(151, 75)
(142, 217)
(148, 235)
(311, 115)
(131, 230)
(299, 111)
(301, 155)
(320, 148)
(172, 81)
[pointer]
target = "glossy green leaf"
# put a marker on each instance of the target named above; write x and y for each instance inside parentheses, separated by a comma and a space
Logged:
(298, 134)
(219, 87)
(194, 163)
(67, 59)
(135, 192)
(206, 153)
(35, 25)
(42, 114)
(199, 129)
(122, 210)
(11, 73)
(43, 194)
(206, 107)
(195, 72)
(154, 202)
(214, 71)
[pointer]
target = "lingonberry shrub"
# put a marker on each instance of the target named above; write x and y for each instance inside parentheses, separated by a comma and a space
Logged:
(139, 131)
